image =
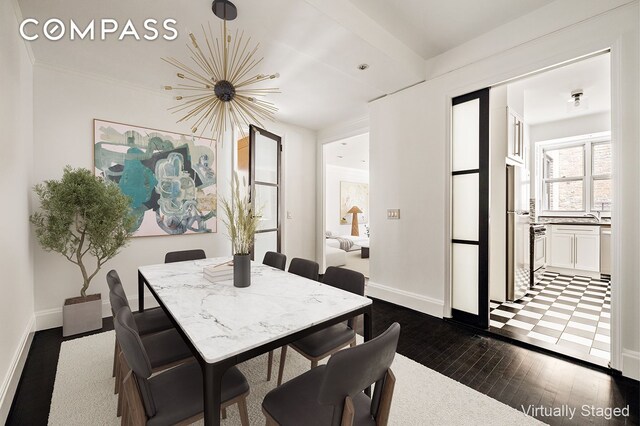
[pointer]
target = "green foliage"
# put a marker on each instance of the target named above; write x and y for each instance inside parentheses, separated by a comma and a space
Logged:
(241, 222)
(81, 214)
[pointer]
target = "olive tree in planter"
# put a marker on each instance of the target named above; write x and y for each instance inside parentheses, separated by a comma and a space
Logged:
(81, 214)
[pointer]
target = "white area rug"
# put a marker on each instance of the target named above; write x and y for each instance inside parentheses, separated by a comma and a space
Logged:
(355, 262)
(83, 392)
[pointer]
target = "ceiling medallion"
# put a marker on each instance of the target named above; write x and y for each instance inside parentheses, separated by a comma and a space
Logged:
(218, 91)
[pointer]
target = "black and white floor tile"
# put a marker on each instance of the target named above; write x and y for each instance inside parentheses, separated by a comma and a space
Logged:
(571, 313)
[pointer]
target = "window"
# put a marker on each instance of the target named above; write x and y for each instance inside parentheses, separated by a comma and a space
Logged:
(601, 190)
(576, 177)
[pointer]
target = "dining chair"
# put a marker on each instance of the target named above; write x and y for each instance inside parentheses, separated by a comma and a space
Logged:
(184, 255)
(275, 260)
(327, 341)
(174, 396)
(305, 268)
(149, 321)
(332, 394)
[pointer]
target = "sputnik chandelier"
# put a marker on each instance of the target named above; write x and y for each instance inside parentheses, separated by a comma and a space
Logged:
(218, 90)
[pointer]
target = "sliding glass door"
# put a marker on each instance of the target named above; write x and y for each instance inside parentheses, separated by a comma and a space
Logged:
(470, 209)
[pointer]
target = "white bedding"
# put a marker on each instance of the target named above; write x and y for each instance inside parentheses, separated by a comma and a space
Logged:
(357, 242)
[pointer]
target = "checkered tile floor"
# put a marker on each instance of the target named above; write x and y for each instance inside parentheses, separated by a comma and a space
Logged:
(568, 312)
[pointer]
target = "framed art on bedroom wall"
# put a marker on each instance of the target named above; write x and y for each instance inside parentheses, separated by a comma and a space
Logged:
(354, 194)
(171, 178)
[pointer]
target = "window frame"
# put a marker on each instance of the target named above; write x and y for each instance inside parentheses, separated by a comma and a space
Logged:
(595, 177)
(587, 142)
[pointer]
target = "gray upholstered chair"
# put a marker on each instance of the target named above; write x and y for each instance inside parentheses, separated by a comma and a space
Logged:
(305, 268)
(173, 396)
(325, 342)
(148, 322)
(275, 260)
(332, 394)
(184, 255)
(165, 348)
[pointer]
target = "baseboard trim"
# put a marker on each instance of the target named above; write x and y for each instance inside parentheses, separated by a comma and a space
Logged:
(52, 318)
(415, 301)
(631, 364)
(10, 384)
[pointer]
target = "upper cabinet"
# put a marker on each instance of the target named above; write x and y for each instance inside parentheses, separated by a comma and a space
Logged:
(516, 146)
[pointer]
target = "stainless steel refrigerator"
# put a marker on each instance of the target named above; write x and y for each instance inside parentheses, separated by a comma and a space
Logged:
(518, 272)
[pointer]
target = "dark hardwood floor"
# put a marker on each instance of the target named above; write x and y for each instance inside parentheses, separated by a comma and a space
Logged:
(511, 374)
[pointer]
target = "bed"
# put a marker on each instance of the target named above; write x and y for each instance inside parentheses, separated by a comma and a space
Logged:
(358, 242)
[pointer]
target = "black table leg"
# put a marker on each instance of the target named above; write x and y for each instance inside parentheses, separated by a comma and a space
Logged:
(140, 292)
(212, 375)
(368, 325)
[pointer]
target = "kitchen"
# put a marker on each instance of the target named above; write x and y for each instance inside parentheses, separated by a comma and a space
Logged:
(550, 235)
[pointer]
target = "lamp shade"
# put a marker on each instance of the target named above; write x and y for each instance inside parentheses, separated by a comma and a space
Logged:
(354, 209)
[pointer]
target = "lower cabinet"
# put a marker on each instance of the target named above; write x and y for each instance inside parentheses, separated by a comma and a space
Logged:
(575, 247)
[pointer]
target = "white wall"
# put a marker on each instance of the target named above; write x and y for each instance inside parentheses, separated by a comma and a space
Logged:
(409, 137)
(16, 173)
(335, 175)
(592, 123)
(66, 104)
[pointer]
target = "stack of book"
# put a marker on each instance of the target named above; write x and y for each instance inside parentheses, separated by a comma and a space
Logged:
(217, 273)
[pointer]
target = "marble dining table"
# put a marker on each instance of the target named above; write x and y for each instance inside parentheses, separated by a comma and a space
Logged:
(226, 325)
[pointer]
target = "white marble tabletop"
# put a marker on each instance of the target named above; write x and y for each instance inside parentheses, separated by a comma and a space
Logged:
(222, 320)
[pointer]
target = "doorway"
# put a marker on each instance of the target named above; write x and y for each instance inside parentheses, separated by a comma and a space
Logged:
(346, 199)
(552, 130)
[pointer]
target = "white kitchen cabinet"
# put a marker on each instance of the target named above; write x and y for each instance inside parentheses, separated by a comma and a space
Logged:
(575, 247)
(605, 250)
(587, 252)
(561, 250)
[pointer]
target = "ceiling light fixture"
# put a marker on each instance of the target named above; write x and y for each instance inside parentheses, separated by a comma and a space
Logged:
(217, 92)
(577, 102)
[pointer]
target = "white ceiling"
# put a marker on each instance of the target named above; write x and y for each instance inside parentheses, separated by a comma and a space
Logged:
(315, 45)
(431, 27)
(546, 94)
(354, 152)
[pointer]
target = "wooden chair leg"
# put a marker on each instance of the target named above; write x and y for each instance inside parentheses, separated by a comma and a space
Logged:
(244, 413)
(123, 371)
(314, 363)
(348, 412)
(283, 358)
(269, 365)
(119, 378)
(382, 416)
(224, 412)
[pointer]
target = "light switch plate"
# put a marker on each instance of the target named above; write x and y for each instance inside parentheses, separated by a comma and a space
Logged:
(393, 214)
(289, 215)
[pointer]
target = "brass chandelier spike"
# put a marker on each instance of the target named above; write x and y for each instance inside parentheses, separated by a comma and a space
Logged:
(217, 90)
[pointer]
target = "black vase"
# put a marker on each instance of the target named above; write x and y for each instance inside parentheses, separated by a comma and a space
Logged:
(241, 270)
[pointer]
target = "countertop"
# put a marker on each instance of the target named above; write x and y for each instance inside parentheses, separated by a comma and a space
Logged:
(570, 221)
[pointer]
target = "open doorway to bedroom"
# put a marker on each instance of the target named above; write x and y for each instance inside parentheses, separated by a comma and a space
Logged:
(346, 212)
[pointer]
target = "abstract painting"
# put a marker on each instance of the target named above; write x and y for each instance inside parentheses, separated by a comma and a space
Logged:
(354, 194)
(170, 178)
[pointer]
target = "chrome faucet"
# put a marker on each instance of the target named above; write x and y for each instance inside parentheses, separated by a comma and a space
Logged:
(596, 215)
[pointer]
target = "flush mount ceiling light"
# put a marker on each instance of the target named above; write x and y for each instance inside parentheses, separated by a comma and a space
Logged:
(577, 102)
(218, 91)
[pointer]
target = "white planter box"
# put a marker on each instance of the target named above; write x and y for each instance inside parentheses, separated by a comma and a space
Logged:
(80, 315)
